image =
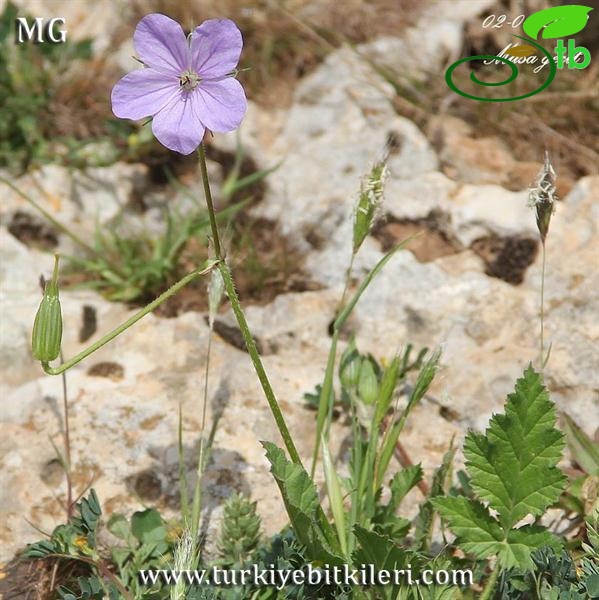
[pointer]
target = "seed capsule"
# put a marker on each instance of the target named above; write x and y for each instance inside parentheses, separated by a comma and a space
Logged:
(47, 328)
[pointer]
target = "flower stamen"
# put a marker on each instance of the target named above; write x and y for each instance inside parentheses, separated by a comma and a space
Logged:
(189, 80)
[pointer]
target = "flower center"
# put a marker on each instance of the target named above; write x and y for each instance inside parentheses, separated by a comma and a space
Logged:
(189, 80)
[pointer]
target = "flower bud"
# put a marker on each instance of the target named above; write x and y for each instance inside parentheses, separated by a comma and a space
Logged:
(349, 367)
(368, 384)
(47, 328)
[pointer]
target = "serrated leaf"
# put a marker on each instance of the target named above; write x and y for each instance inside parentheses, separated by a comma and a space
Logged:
(522, 542)
(403, 481)
(559, 21)
(477, 532)
(425, 521)
(522, 50)
(514, 466)
(301, 501)
(377, 550)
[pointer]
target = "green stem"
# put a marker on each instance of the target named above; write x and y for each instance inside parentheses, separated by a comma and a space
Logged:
(209, 203)
(128, 323)
(326, 400)
(255, 357)
(241, 321)
(67, 444)
(490, 585)
(197, 496)
(542, 348)
(184, 501)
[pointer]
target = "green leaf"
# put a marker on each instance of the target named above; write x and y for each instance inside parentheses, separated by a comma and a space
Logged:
(119, 526)
(584, 450)
(301, 501)
(148, 527)
(559, 21)
(522, 542)
(425, 521)
(377, 550)
(477, 532)
(403, 481)
(380, 551)
(514, 466)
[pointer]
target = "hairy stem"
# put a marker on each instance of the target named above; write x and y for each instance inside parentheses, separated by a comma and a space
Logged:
(209, 203)
(490, 585)
(257, 362)
(241, 320)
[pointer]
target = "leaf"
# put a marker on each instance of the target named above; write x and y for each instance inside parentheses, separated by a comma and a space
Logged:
(148, 527)
(301, 501)
(583, 449)
(377, 550)
(425, 521)
(523, 50)
(119, 526)
(522, 542)
(514, 466)
(477, 532)
(403, 481)
(559, 21)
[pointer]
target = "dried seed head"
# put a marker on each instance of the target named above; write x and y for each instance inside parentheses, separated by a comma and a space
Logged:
(543, 196)
(47, 327)
(369, 202)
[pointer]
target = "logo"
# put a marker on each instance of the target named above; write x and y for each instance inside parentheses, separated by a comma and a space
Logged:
(41, 31)
(557, 22)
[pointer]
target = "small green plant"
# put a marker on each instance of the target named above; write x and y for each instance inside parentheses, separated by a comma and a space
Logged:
(146, 542)
(30, 77)
(240, 531)
(513, 469)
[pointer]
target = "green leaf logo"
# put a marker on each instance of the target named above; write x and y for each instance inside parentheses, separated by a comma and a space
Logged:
(559, 21)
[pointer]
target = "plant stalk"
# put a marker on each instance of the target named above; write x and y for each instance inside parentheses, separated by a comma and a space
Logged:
(128, 323)
(67, 445)
(241, 320)
(542, 311)
(490, 585)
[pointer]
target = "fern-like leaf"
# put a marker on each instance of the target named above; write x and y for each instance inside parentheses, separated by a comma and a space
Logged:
(513, 471)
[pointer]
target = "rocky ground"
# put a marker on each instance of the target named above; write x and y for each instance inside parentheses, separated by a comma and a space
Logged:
(469, 285)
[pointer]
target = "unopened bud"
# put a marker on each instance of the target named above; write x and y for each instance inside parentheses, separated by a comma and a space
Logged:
(368, 385)
(349, 367)
(47, 328)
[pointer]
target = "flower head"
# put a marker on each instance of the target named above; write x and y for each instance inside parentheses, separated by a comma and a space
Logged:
(187, 85)
(543, 196)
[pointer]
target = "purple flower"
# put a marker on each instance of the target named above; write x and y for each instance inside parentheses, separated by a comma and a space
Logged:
(187, 86)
